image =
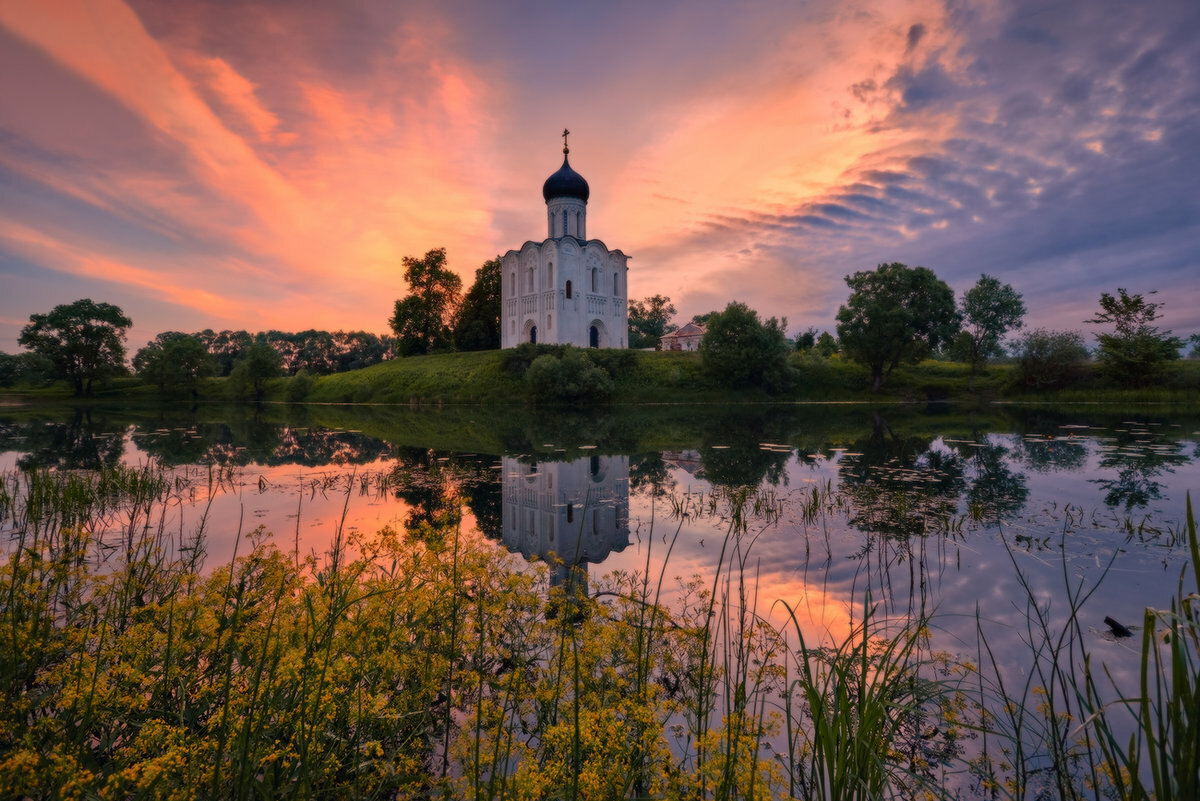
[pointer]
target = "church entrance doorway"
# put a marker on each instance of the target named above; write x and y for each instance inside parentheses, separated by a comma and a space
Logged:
(593, 337)
(533, 335)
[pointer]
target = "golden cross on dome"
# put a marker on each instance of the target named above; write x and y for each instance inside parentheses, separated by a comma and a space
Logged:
(565, 134)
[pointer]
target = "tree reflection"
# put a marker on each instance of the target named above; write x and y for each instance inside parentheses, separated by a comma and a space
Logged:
(1140, 457)
(994, 491)
(742, 464)
(88, 442)
(899, 486)
(1045, 454)
(648, 472)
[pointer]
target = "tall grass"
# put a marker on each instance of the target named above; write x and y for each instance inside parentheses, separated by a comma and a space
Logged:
(426, 664)
(1070, 729)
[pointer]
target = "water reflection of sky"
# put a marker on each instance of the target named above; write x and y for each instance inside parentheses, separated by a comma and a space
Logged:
(919, 521)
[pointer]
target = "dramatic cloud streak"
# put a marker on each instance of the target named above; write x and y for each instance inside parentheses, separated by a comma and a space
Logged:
(267, 165)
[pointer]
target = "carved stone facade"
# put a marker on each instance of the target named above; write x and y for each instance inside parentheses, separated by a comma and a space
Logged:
(566, 289)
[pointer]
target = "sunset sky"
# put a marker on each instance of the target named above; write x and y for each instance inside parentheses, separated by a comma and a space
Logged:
(262, 165)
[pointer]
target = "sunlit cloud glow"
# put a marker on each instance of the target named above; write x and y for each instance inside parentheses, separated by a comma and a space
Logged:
(269, 165)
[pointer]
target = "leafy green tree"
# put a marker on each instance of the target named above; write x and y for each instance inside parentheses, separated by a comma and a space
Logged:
(989, 310)
(258, 365)
(649, 320)
(739, 349)
(31, 369)
(422, 321)
(1136, 351)
(895, 314)
(84, 340)
(827, 345)
(1194, 340)
(806, 341)
(477, 326)
(702, 319)
(226, 347)
(1049, 359)
(174, 362)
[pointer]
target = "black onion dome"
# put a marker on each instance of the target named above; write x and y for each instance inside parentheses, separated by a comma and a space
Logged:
(565, 183)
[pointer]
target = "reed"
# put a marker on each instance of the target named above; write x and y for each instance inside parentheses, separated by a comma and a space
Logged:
(428, 664)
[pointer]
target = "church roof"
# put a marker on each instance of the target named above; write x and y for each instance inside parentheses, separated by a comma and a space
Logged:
(565, 183)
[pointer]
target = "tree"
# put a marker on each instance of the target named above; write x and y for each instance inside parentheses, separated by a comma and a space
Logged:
(422, 321)
(1049, 359)
(895, 314)
(226, 347)
(738, 349)
(258, 365)
(806, 341)
(477, 326)
(31, 369)
(827, 345)
(1136, 351)
(989, 310)
(649, 320)
(174, 362)
(84, 341)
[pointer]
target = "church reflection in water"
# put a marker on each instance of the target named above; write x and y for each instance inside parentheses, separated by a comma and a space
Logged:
(568, 514)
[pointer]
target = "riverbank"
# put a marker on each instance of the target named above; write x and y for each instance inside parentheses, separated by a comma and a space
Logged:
(639, 377)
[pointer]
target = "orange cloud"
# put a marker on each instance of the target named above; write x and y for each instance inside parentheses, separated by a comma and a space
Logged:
(323, 202)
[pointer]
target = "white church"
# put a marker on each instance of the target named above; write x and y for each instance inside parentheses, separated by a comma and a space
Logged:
(566, 289)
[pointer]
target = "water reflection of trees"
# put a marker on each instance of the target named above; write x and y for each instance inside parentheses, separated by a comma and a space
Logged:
(1045, 454)
(901, 485)
(898, 485)
(435, 485)
(89, 441)
(994, 490)
(1139, 456)
(248, 439)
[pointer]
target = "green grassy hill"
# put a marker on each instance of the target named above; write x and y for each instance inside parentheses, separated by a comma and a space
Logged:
(646, 377)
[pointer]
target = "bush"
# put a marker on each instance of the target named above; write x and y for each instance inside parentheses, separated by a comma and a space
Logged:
(738, 349)
(573, 378)
(299, 386)
(1049, 359)
(29, 369)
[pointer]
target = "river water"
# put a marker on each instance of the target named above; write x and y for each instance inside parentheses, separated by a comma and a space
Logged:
(977, 516)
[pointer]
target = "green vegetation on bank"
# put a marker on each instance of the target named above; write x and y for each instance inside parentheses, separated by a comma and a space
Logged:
(499, 377)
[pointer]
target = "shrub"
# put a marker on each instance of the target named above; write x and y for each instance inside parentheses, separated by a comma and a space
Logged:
(1049, 359)
(573, 378)
(299, 386)
(739, 349)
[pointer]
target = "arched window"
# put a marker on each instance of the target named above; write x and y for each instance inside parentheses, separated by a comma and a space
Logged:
(550, 275)
(615, 290)
(549, 321)
(579, 225)
(594, 273)
(568, 290)
(512, 283)
(529, 283)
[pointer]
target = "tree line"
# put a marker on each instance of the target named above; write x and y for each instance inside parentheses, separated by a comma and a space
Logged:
(894, 315)
(897, 315)
(83, 343)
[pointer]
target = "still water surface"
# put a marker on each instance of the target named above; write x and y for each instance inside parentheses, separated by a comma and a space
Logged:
(817, 506)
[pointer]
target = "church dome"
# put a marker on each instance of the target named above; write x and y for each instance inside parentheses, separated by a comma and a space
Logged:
(565, 183)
